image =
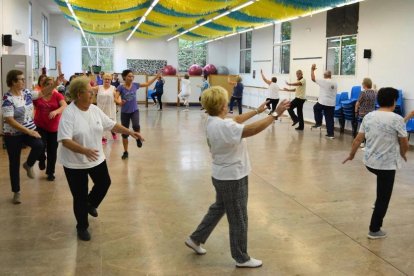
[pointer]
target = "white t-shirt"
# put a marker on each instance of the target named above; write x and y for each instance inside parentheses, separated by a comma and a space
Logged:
(85, 128)
(273, 92)
(382, 130)
(228, 149)
(327, 91)
(106, 102)
(185, 88)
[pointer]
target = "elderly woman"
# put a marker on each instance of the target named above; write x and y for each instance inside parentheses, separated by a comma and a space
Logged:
(386, 147)
(129, 109)
(81, 153)
(231, 167)
(19, 129)
(106, 100)
(237, 93)
(49, 108)
(364, 104)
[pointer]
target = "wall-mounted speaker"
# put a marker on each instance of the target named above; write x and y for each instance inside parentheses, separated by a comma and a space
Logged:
(367, 53)
(7, 40)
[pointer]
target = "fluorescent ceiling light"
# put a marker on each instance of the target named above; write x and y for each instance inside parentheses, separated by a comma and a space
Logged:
(248, 3)
(154, 3)
(348, 3)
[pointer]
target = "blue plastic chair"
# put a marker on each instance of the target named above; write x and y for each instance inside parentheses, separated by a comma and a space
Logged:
(150, 91)
(410, 127)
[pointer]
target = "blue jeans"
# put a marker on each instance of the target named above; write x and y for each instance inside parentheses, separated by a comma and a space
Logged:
(239, 103)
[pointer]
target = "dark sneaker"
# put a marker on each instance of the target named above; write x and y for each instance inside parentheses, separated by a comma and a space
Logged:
(377, 235)
(315, 126)
(330, 136)
(125, 155)
(139, 143)
(84, 235)
(92, 211)
(42, 165)
(295, 122)
(299, 128)
(50, 177)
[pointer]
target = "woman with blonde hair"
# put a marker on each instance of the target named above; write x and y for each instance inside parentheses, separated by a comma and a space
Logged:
(81, 153)
(230, 169)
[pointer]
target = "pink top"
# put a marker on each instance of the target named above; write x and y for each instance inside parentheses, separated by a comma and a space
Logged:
(43, 109)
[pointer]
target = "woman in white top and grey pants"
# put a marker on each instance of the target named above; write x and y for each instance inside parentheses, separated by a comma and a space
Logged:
(231, 167)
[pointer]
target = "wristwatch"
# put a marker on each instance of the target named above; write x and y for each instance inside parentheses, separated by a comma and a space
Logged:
(274, 115)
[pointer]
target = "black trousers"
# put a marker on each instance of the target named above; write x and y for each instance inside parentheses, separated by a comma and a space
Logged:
(78, 184)
(298, 104)
(385, 184)
(50, 144)
(158, 95)
(239, 103)
(272, 102)
(321, 110)
(14, 149)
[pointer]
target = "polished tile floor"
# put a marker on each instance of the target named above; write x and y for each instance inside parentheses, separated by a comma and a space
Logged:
(308, 213)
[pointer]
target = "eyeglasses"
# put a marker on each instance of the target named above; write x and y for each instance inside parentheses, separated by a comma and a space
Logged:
(22, 79)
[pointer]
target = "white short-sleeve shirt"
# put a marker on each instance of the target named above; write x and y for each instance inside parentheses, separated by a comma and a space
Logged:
(327, 91)
(228, 149)
(382, 130)
(85, 128)
(273, 91)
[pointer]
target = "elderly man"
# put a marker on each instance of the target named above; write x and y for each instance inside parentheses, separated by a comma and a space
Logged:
(326, 101)
(298, 101)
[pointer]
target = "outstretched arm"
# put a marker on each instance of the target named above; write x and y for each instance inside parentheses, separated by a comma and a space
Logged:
(148, 83)
(313, 68)
(355, 145)
(258, 126)
(409, 116)
(264, 78)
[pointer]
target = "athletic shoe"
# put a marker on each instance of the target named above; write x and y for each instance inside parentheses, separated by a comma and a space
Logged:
(139, 143)
(252, 263)
(197, 248)
(330, 136)
(92, 211)
(315, 126)
(29, 170)
(16, 198)
(50, 177)
(377, 235)
(84, 235)
(125, 155)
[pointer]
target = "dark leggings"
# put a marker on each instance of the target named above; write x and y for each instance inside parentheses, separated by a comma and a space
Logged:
(78, 184)
(272, 102)
(385, 184)
(239, 104)
(158, 95)
(50, 144)
(130, 117)
(14, 148)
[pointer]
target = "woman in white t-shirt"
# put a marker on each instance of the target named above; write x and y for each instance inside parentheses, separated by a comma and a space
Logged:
(81, 154)
(272, 93)
(185, 91)
(106, 99)
(386, 146)
(231, 166)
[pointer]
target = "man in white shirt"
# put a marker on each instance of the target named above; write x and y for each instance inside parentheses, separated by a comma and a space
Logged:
(326, 101)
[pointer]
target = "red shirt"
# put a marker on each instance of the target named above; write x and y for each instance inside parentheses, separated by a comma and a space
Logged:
(43, 109)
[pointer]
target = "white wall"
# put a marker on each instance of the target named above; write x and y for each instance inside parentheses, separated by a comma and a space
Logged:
(137, 48)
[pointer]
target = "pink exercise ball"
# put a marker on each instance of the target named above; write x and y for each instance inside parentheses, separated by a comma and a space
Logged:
(169, 70)
(210, 69)
(195, 70)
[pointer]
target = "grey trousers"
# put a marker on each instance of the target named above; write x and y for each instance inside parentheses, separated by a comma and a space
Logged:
(231, 199)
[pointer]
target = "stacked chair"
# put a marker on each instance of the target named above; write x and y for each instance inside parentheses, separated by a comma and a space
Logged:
(348, 108)
(399, 107)
(339, 110)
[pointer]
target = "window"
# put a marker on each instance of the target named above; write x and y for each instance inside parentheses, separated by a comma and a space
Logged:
(341, 55)
(189, 53)
(245, 52)
(30, 19)
(341, 33)
(45, 36)
(281, 48)
(98, 51)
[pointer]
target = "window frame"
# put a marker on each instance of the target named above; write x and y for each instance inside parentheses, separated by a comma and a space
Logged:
(193, 48)
(96, 59)
(340, 55)
(244, 50)
(281, 43)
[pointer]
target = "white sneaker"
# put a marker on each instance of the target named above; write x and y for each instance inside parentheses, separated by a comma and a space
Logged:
(252, 263)
(29, 170)
(197, 248)
(16, 198)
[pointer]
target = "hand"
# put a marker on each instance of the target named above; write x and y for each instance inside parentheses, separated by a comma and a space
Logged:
(53, 114)
(404, 157)
(122, 102)
(283, 105)
(261, 71)
(263, 106)
(349, 158)
(91, 154)
(137, 136)
(313, 67)
(34, 134)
